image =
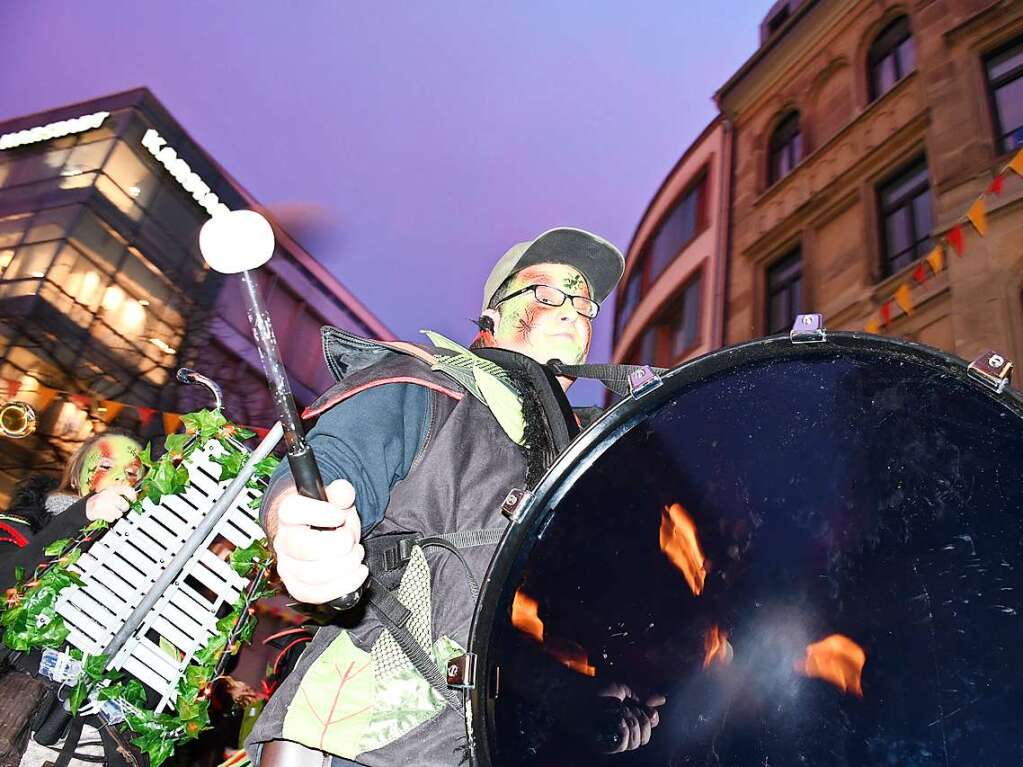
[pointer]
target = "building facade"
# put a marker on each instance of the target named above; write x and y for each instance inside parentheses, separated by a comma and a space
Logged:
(864, 130)
(103, 291)
(669, 307)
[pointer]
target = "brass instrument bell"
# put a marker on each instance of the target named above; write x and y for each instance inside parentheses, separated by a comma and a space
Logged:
(17, 420)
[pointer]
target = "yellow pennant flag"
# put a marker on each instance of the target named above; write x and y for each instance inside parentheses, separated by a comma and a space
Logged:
(936, 258)
(108, 410)
(171, 422)
(873, 327)
(1017, 162)
(978, 216)
(903, 297)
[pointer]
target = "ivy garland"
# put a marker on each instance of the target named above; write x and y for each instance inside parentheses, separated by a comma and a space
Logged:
(31, 622)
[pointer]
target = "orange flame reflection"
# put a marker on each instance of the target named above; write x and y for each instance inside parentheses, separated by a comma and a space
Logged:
(836, 659)
(679, 543)
(716, 648)
(525, 618)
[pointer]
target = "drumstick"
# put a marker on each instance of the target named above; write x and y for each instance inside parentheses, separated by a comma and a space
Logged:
(237, 243)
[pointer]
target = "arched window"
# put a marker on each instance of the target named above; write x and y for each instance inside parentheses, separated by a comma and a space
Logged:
(892, 56)
(786, 148)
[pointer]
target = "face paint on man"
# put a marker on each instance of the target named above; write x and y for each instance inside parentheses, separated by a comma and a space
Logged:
(112, 460)
(544, 332)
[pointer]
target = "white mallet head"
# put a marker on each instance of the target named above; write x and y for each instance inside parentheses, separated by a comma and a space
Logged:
(236, 241)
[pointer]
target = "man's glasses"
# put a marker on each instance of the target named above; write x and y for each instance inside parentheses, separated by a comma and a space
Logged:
(549, 296)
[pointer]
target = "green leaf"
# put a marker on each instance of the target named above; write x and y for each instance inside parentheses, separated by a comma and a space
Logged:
(204, 423)
(231, 463)
(95, 666)
(197, 676)
(19, 574)
(241, 433)
(99, 524)
(266, 467)
(57, 547)
(248, 629)
(134, 692)
(146, 456)
(177, 444)
(244, 560)
(78, 694)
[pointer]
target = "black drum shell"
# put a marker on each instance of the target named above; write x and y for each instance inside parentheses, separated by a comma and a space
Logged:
(935, 604)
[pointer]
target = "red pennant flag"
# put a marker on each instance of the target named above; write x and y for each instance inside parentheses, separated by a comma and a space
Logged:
(955, 239)
(920, 274)
(886, 312)
(13, 387)
(145, 414)
(260, 431)
(82, 400)
(996, 185)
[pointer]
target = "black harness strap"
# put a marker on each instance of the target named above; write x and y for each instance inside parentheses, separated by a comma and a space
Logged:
(614, 377)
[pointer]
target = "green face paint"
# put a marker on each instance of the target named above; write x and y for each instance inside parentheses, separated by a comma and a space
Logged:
(112, 460)
(540, 331)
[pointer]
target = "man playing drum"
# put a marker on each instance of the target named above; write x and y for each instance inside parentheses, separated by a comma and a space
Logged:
(426, 441)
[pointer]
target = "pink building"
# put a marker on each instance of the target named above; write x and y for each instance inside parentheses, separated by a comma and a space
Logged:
(670, 306)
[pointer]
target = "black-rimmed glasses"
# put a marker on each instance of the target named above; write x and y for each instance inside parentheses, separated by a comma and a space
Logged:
(549, 296)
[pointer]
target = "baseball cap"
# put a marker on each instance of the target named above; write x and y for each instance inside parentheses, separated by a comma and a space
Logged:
(600, 262)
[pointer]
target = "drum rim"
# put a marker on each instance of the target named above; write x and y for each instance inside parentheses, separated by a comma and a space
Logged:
(621, 418)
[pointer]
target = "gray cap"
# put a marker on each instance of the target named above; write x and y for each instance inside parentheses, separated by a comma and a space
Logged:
(600, 262)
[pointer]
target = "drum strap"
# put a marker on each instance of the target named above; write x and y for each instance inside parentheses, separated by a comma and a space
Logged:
(614, 377)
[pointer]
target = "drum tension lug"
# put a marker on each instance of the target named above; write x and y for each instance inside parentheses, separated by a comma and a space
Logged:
(514, 502)
(992, 370)
(461, 671)
(808, 329)
(642, 380)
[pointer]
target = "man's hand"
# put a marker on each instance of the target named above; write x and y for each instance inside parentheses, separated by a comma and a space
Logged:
(109, 504)
(636, 719)
(319, 556)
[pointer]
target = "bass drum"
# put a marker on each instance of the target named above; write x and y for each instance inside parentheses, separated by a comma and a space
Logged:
(813, 552)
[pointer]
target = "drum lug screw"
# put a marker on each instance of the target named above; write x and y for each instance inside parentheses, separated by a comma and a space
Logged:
(642, 380)
(991, 369)
(513, 503)
(808, 329)
(461, 671)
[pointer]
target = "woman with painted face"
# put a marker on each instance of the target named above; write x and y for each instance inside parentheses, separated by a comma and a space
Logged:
(98, 483)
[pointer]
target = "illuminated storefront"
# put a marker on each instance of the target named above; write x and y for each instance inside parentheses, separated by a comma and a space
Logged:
(103, 293)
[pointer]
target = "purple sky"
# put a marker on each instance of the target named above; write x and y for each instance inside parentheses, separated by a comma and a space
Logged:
(422, 139)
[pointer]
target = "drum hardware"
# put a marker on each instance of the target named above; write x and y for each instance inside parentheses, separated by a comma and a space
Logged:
(643, 380)
(808, 329)
(992, 370)
(514, 502)
(461, 671)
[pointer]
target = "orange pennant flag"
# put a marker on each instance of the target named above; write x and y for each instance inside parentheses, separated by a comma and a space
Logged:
(873, 327)
(936, 259)
(978, 216)
(13, 386)
(171, 422)
(108, 410)
(1017, 162)
(904, 298)
(43, 397)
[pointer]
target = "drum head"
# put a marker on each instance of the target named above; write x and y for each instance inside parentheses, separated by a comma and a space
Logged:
(812, 552)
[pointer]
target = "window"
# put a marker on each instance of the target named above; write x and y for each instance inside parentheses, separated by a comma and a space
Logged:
(906, 217)
(777, 21)
(676, 331)
(784, 292)
(892, 56)
(786, 148)
(1005, 79)
(680, 226)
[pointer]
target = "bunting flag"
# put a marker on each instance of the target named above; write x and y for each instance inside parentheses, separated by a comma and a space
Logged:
(13, 386)
(145, 414)
(903, 297)
(171, 422)
(955, 239)
(1017, 162)
(43, 397)
(260, 431)
(978, 216)
(108, 410)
